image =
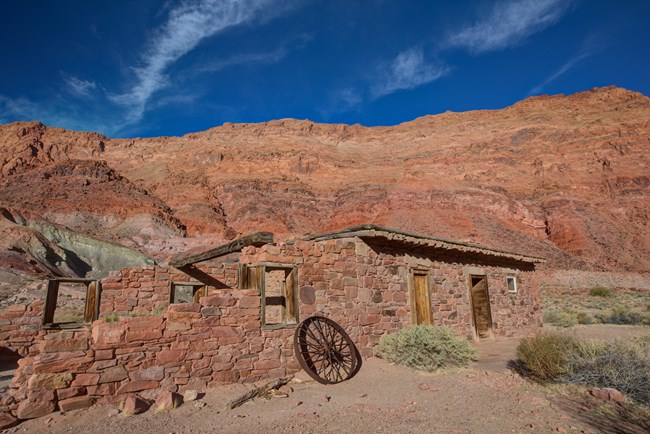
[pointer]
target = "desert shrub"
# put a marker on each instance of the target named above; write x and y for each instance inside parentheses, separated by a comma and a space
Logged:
(112, 318)
(425, 347)
(584, 318)
(625, 366)
(544, 356)
(563, 318)
(620, 315)
(601, 291)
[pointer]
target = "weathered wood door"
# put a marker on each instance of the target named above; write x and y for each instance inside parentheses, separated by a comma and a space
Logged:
(421, 301)
(481, 307)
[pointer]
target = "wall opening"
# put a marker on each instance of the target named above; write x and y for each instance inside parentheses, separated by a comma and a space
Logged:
(71, 302)
(481, 307)
(280, 296)
(186, 292)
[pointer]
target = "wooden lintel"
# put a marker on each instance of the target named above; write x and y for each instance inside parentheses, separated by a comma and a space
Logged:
(257, 239)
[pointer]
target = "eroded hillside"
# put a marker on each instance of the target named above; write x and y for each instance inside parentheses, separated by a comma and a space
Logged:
(564, 177)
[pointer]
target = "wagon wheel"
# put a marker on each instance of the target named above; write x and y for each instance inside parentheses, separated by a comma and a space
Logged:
(325, 351)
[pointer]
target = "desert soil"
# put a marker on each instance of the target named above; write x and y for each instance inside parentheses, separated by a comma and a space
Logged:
(484, 398)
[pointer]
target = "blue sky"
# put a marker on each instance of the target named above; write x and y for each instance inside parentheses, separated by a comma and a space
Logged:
(168, 67)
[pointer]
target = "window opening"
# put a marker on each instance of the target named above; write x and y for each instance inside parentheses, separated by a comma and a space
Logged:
(186, 292)
(279, 296)
(512, 284)
(70, 302)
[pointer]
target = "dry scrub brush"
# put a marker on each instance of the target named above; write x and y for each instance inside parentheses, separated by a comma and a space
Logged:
(625, 366)
(425, 347)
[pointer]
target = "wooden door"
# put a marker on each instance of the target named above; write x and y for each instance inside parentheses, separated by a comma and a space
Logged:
(481, 307)
(421, 303)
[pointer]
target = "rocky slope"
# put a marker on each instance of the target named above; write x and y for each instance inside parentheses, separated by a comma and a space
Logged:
(564, 177)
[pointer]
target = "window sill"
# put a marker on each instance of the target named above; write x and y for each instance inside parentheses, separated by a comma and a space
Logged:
(279, 326)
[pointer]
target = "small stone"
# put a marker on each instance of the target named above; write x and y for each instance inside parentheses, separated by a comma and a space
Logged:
(614, 395)
(599, 393)
(297, 404)
(424, 386)
(326, 398)
(363, 395)
(113, 412)
(200, 404)
(167, 400)
(190, 395)
(7, 421)
(134, 404)
(288, 390)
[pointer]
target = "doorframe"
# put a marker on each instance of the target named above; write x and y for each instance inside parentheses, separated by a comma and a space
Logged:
(471, 305)
(412, 295)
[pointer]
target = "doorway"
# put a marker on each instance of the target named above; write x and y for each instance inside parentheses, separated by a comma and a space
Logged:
(481, 307)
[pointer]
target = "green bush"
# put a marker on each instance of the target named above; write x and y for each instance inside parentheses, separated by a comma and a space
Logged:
(564, 318)
(425, 347)
(601, 291)
(544, 356)
(584, 318)
(620, 315)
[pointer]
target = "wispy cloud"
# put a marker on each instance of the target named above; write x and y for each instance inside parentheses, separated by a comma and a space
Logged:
(407, 71)
(188, 25)
(79, 87)
(589, 48)
(268, 57)
(508, 24)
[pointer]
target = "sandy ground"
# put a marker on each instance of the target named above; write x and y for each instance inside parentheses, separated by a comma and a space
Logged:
(485, 398)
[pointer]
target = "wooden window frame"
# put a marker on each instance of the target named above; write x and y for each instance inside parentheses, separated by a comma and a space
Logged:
(197, 286)
(91, 309)
(412, 296)
(252, 276)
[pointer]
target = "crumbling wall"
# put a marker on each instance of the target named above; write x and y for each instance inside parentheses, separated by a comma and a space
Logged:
(20, 327)
(191, 346)
(145, 289)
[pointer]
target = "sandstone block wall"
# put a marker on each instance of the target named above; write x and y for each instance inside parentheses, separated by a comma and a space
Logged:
(192, 346)
(221, 339)
(364, 287)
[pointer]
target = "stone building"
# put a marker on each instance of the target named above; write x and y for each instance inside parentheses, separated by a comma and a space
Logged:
(228, 314)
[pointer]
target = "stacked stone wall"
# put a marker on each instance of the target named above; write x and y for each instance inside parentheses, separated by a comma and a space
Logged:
(221, 339)
(192, 346)
(20, 327)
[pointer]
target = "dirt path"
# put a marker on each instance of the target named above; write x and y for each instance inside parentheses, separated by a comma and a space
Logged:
(486, 398)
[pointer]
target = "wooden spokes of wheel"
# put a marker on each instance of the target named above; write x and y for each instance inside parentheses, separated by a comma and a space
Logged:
(325, 351)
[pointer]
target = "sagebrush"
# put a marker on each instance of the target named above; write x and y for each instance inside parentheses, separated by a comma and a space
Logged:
(544, 356)
(601, 291)
(425, 347)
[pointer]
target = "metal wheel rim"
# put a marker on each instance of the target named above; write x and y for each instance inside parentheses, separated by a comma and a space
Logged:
(325, 351)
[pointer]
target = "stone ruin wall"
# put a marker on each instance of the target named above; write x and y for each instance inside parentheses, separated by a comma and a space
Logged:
(191, 346)
(221, 339)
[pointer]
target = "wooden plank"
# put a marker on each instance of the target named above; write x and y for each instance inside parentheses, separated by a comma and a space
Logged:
(263, 391)
(51, 296)
(91, 299)
(257, 239)
(291, 290)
